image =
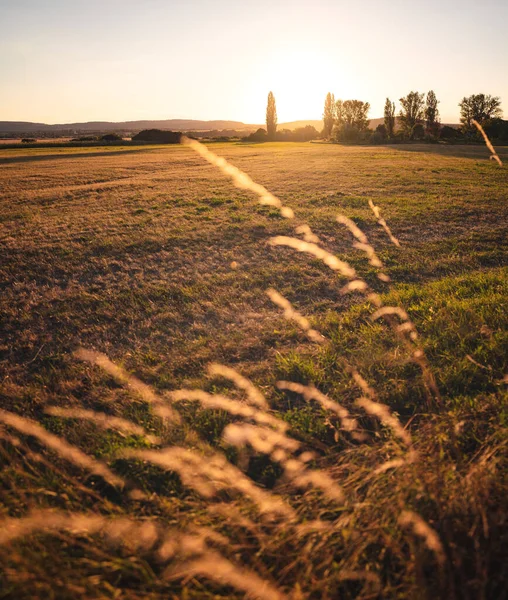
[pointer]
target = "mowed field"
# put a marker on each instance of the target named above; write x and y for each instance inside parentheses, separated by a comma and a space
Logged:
(152, 257)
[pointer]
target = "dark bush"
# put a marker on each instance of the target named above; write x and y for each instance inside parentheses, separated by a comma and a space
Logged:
(28, 140)
(258, 136)
(350, 134)
(86, 138)
(157, 136)
(300, 134)
(449, 133)
(377, 138)
(418, 132)
(111, 137)
(497, 129)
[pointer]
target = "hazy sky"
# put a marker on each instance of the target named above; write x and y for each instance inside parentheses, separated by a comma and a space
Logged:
(81, 60)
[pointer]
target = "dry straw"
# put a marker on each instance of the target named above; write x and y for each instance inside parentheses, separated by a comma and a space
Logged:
(261, 439)
(377, 213)
(410, 519)
(382, 412)
(309, 393)
(494, 155)
(217, 568)
(329, 259)
(279, 447)
(102, 420)
(217, 401)
(307, 234)
(239, 178)
(293, 315)
(60, 446)
(209, 474)
(254, 396)
(191, 549)
(362, 242)
(140, 535)
(145, 392)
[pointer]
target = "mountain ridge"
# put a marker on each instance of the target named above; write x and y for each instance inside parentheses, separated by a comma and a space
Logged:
(170, 124)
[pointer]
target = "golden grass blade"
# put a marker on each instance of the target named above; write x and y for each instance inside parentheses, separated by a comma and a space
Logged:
(494, 155)
(293, 315)
(209, 474)
(132, 383)
(61, 447)
(410, 519)
(217, 568)
(382, 412)
(102, 420)
(326, 257)
(140, 535)
(307, 234)
(239, 178)
(383, 223)
(309, 393)
(231, 406)
(254, 396)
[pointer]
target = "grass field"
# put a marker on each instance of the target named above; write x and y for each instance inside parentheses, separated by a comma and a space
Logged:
(152, 257)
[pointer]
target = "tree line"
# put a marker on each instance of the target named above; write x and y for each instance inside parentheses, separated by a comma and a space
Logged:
(418, 120)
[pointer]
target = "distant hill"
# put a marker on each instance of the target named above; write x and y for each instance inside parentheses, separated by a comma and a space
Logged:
(11, 128)
(20, 127)
(99, 126)
(295, 124)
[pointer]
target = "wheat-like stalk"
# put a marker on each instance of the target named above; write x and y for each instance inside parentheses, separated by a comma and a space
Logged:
(382, 412)
(494, 155)
(307, 233)
(141, 389)
(422, 529)
(254, 396)
(329, 259)
(218, 401)
(102, 420)
(209, 474)
(239, 178)
(309, 393)
(293, 315)
(61, 447)
(377, 213)
(217, 568)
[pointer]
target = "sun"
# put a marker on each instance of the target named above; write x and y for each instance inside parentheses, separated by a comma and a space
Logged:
(299, 80)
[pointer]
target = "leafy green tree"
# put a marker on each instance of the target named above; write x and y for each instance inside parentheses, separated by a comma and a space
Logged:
(351, 121)
(329, 114)
(352, 113)
(271, 116)
(432, 114)
(411, 112)
(481, 108)
(389, 117)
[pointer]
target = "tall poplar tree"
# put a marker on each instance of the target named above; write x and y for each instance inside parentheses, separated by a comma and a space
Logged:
(411, 112)
(432, 113)
(389, 120)
(271, 116)
(329, 115)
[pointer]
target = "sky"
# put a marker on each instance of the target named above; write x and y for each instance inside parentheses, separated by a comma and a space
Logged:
(67, 61)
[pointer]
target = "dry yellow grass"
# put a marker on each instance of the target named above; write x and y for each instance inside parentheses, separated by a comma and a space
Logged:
(148, 281)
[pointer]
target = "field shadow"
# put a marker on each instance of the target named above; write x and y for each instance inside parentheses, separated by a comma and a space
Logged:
(58, 156)
(455, 150)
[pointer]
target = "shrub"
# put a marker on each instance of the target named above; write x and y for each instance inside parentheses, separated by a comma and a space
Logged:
(449, 133)
(418, 132)
(258, 136)
(157, 136)
(111, 137)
